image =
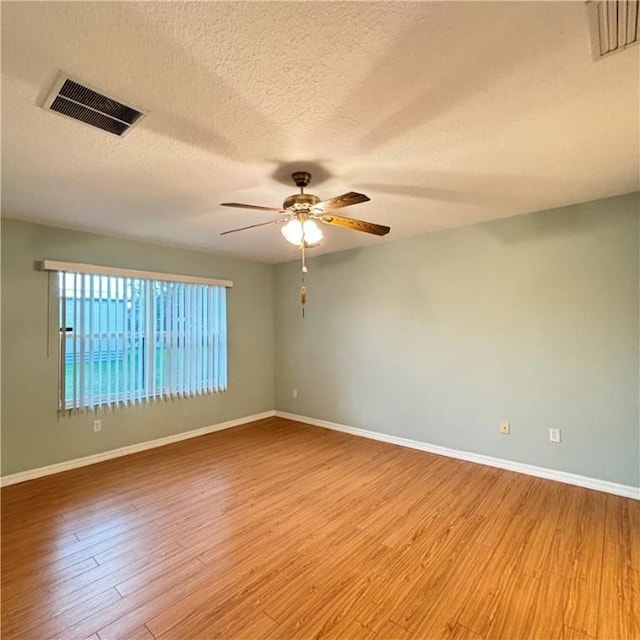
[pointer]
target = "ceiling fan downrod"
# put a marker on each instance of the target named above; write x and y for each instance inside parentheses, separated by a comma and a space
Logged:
(303, 270)
(302, 179)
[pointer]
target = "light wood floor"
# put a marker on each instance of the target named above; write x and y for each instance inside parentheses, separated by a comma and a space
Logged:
(279, 530)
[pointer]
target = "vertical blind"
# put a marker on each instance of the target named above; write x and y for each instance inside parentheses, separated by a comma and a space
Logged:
(125, 340)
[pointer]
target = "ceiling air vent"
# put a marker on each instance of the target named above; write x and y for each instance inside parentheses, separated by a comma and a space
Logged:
(613, 25)
(73, 100)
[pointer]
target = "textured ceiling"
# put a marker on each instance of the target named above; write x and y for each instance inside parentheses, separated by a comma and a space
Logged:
(445, 114)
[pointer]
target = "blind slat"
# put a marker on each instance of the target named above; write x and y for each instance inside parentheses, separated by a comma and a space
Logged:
(75, 342)
(124, 348)
(142, 341)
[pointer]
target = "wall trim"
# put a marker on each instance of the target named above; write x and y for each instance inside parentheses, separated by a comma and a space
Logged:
(614, 488)
(624, 490)
(31, 474)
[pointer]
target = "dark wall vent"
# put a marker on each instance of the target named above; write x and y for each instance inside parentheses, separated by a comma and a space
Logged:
(74, 100)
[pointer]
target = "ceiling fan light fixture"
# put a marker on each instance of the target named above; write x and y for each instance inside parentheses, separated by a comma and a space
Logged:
(294, 230)
(302, 211)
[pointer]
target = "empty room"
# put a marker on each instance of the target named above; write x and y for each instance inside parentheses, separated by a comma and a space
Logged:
(320, 320)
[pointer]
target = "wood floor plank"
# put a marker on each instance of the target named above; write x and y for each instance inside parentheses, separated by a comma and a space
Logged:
(251, 625)
(513, 608)
(281, 530)
(435, 597)
(548, 607)
(140, 633)
(131, 611)
(572, 634)
(61, 560)
(53, 624)
(25, 585)
(351, 629)
(62, 593)
(585, 554)
(391, 631)
(373, 614)
(619, 611)
(438, 615)
(563, 547)
(334, 611)
(308, 572)
(492, 588)
(458, 632)
(633, 507)
(261, 626)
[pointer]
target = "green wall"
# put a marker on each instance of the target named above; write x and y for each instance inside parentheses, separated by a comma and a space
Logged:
(33, 435)
(532, 319)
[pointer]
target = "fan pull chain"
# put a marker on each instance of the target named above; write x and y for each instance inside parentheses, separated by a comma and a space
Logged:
(303, 289)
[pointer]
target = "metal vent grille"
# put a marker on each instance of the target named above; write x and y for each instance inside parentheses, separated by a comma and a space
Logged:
(613, 25)
(74, 100)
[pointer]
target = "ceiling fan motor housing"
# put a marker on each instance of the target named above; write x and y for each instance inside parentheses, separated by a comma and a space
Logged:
(301, 178)
(300, 201)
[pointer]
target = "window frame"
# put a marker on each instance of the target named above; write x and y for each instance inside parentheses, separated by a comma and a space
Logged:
(147, 319)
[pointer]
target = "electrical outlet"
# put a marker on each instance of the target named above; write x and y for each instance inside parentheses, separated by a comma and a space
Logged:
(554, 435)
(97, 425)
(295, 393)
(505, 427)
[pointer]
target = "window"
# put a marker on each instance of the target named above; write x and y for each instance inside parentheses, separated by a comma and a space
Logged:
(125, 339)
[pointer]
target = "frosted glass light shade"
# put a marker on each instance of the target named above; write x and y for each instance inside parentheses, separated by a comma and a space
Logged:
(292, 232)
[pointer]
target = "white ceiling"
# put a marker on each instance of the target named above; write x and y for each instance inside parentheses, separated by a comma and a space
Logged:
(445, 114)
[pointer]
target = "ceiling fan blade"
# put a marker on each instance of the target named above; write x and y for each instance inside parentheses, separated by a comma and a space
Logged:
(345, 200)
(352, 223)
(249, 206)
(253, 226)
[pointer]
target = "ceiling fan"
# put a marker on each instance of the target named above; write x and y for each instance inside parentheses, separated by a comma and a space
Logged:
(303, 210)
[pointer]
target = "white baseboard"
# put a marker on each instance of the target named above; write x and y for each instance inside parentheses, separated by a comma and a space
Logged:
(31, 474)
(624, 490)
